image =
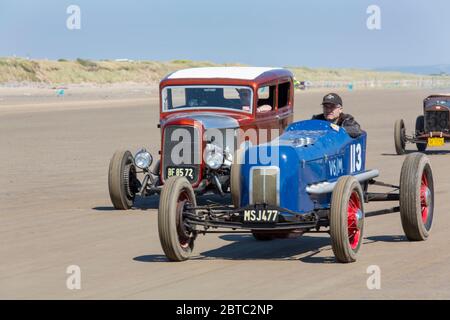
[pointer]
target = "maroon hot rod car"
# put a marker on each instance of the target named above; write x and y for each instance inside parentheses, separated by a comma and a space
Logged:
(432, 128)
(205, 115)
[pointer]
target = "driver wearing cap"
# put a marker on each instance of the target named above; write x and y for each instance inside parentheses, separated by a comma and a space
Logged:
(333, 112)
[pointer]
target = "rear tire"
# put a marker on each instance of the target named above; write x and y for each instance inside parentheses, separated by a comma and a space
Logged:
(177, 238)
(420, 127)
(122, 180)
(416, 197)
(346, 219)
(399, 137)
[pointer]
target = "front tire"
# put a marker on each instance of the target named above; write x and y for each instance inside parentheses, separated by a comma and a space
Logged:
(399, 137)
(416, 197)
(420, 127)
(122, 180)
(176, 237)
(346, 219)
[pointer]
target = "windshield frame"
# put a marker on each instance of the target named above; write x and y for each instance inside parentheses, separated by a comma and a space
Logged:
(164, 90)
(437, 101)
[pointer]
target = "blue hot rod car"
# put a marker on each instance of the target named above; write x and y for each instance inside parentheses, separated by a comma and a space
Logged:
(313, 176)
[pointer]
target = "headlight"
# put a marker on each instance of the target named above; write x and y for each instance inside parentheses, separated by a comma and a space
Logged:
(143, 159)
(213, 156)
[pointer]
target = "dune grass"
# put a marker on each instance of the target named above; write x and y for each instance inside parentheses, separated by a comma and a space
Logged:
(80, 71)
(87, 71)
(323, 74)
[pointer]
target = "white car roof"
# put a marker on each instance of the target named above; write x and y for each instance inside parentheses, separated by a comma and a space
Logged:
(244, 73)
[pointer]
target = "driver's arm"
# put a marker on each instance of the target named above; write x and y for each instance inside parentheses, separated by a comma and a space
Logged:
(352, 127)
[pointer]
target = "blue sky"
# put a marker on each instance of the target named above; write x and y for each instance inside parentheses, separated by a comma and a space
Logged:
(314, 33)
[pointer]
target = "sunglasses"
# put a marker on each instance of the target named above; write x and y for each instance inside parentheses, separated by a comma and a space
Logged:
(330, 106)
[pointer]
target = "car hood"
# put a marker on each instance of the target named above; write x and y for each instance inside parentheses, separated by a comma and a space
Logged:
(306, 140)
(209, 120)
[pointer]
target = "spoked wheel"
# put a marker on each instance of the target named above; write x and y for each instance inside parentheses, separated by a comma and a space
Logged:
(416, 197)
(399, 137)
(122, 180)
(175, 234)
(425, 197)
(420, 127)
(346, 219)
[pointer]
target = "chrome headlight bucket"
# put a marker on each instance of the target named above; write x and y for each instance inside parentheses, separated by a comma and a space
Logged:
(213, 156)
(143, 159)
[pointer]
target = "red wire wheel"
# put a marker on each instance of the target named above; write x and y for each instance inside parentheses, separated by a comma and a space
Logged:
(354, 214)
(424, 198)
(346, 219)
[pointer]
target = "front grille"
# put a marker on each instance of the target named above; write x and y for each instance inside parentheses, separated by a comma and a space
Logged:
(182, 150)
(265, 185)
(436, 120)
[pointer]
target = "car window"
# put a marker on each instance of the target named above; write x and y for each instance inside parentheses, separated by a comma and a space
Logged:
(266, 99)
(284, 94)
(438, 101)
(263, 92)
(238, 98)
(230, 93)
(178, 97)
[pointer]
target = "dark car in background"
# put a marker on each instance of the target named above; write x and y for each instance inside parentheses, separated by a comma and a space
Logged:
(432, 128)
